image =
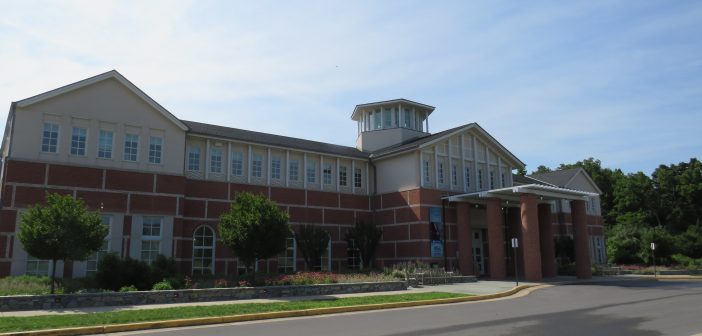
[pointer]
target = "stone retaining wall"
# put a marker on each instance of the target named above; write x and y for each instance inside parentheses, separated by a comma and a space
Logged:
(64, 301)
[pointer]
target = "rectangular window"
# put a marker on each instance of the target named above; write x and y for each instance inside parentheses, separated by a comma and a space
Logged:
(237, 163)
(441, 173)
(396, 118)
(275, 168)
(131, 147)
(327, 174)
(454, 175)
(502, 178)
(406, 121)
(480, 179)
(150, 250)
(257, 166)
(37, 267)
(357, 178)
(150, 238)
(155, 146)
(79, 136)
(194, 159)
(427, 174)
(377, 121)
(467, 177)
(294, 170)
(151, 227)
(105, 144)
(342, 176)
(91, 264)
(311, 171)
(215, 160)
(492, 180)
(49, 138)
(387, 117)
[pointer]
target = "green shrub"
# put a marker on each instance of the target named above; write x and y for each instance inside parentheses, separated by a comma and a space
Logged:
(687, 262)
(162, 285)
(130, 288)
(566, 269)
(162, 268)
(114, 273)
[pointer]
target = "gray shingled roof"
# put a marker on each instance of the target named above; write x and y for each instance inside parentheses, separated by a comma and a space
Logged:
(558, 178)
(519, 179)
(273, 140)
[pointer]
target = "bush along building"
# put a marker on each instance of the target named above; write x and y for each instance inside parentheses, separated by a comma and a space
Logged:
(448, 199)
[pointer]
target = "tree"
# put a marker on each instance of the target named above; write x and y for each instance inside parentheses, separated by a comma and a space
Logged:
(313, 242)
(254, 228)
(541, 169)
(63, 229)
(365, 236)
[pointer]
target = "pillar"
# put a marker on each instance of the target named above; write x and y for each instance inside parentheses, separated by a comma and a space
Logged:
(548, 254)
(465, 239)
(580, 237)
(496, 239)
(531, 247)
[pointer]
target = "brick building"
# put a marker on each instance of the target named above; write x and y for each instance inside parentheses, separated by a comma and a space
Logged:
(447, 198)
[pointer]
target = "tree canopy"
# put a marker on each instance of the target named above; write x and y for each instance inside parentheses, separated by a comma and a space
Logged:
(365, 236)
(254, 228)
(63, 229)
(665, 207)
(313, 242)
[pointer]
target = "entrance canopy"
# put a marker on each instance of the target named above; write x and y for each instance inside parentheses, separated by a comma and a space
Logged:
(544, 192)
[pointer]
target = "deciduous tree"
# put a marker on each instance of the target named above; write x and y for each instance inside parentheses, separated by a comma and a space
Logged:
(63, 229)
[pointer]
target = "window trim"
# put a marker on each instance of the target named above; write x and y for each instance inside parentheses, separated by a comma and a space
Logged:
(160, 149)
(124, 151)
(58, 137)
(213, 247)
(111, 146)
(218, 162)
(85, 141)
(191, 150)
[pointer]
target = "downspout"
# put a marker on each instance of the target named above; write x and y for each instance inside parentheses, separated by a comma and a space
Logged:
(443, 225)
(7, 141)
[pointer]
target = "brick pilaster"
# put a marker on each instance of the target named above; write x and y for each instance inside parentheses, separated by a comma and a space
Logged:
(496, 239)
(548, 255)
(465, 239)
(580, 237)
(531, 247)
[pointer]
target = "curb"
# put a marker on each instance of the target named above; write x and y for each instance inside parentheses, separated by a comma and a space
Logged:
(112, 328)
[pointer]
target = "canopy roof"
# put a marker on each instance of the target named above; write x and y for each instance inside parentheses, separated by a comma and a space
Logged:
(545, 193)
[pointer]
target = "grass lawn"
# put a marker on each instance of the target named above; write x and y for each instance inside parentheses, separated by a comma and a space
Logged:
(143, 315)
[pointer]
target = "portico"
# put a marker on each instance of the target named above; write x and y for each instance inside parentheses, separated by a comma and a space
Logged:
(532, 226)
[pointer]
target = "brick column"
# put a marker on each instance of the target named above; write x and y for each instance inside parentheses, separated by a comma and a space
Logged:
(531, 248)
(548, 255)
(496, 239)
(465, 239)
(582, 253)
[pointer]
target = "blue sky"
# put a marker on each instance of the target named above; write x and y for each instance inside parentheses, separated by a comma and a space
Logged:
(553, 81)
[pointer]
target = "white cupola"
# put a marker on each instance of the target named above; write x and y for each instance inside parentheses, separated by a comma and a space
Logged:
(387, 123)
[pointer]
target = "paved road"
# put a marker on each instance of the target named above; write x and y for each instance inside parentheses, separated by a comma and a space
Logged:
(613, 308)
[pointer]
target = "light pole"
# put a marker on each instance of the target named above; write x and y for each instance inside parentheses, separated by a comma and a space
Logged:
(653, 255)
(515, 244)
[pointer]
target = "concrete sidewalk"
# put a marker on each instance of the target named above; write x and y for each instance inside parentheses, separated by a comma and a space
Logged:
(482, 287)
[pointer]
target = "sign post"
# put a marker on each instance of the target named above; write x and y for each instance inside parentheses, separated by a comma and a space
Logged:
(653, 255)
(515, 244)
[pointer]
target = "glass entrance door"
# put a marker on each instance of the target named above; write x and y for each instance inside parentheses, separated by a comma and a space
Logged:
(478, 255)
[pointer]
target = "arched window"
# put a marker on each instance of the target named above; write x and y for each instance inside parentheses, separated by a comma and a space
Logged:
(203, 250)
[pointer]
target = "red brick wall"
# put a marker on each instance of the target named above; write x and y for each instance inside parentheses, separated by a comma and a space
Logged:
(404, 218)
(191, 202)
